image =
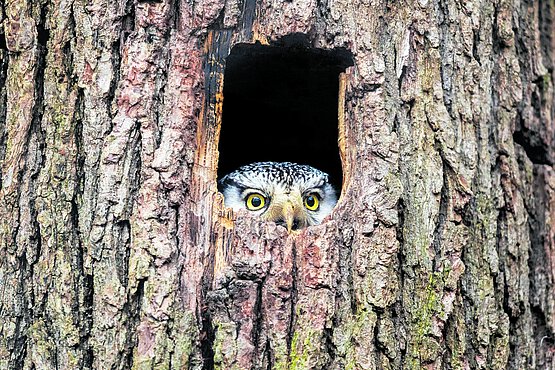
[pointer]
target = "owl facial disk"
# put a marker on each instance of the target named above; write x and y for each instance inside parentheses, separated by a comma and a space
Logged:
(289, 194)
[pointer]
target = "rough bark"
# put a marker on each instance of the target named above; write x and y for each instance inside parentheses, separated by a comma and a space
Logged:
(116, 250)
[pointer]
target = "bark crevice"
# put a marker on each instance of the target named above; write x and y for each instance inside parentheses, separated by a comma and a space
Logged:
(292, 300)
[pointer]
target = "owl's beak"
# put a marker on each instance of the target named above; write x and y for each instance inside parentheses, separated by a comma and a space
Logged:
(289, 215)
(287, 211)
(292, 213)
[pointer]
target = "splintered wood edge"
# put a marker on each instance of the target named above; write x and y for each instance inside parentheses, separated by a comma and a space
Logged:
(207, 141)
(206, 163)
(342, 134)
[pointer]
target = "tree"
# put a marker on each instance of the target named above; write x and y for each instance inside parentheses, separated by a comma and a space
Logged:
(116, 250)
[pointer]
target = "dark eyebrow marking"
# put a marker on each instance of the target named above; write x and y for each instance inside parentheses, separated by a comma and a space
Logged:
(316, 190)
(245, 192)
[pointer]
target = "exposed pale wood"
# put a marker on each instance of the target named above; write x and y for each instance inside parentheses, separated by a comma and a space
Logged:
(342, 133)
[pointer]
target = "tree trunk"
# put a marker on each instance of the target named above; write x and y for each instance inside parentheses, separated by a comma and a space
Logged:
(116, 251)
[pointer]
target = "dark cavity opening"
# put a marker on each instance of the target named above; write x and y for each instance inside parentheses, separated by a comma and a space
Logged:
(281, 104)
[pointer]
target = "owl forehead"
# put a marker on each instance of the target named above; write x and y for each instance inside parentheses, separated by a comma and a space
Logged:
(285, 175)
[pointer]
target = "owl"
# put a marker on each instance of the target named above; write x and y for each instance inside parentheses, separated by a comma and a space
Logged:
(289, 194)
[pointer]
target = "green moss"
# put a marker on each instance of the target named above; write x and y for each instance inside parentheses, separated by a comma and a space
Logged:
(223, 347)
(456, 353)
(424, 346)
(38, 334)
(186, 334)
(142, 362)
(363, 323)
(281, 357)
(299, 356)
(305, 345)
(546, 81)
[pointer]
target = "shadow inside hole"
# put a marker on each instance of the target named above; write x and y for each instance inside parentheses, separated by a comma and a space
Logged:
(280, 104)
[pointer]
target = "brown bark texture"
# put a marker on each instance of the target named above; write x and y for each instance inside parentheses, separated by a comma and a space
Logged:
(116, 251)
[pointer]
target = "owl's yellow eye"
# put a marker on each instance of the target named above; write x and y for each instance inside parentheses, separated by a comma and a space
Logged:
(311, 202)
(255, 201)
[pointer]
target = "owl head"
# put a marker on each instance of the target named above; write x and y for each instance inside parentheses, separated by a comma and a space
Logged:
(289, 194)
